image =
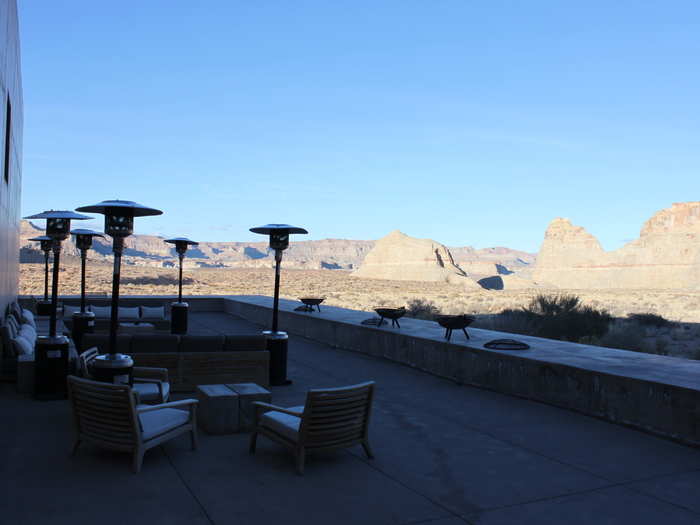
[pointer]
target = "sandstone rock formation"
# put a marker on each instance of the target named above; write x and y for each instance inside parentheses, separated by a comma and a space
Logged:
(150, 250)
(665, 256)
(400, 257)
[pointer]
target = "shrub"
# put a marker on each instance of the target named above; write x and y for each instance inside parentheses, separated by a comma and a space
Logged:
(422, 309)
(650, 319)
(564, 317)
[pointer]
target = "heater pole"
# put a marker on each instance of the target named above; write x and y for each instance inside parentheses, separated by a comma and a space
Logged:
(54, 287)
(117, 248)
(83, 256)
(275, 306)
(179, 291)
(46, 275)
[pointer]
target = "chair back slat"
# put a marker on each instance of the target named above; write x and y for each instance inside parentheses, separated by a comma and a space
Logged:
(336, 416)
(104, 412)
(84, 360)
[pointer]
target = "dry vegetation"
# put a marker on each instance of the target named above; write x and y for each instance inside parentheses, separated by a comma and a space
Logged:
(340, 288)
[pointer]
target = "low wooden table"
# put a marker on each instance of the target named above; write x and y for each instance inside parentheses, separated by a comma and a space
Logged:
(227, 409)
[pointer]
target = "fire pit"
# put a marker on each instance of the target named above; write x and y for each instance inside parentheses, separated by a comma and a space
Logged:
(454, 322)
(310, 302)
(390, 313)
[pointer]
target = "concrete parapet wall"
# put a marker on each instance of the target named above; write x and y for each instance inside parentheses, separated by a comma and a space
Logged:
(655, 393)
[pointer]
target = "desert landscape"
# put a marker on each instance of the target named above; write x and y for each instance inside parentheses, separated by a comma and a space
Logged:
(659, 274)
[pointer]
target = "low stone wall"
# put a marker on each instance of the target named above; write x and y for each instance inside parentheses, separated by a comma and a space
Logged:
(658, 394)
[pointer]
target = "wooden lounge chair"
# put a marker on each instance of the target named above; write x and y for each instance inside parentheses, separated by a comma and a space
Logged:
(107, 415)
(150, 383)
(331, 418)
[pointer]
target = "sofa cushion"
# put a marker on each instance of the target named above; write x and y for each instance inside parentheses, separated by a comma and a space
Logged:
(152, 312)
(101, 341)
(101, 312)
(157, 422)
(245, 342)
(128, 314)
(22, 346)
(284, 424)
(153, 343)
(201, 343)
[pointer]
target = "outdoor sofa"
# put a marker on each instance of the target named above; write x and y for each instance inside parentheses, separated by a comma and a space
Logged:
(193, 360)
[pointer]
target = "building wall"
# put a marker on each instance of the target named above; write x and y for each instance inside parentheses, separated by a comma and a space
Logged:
(10, 186)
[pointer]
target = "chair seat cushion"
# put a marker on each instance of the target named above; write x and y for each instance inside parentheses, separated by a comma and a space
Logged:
(284, 424)
(149, 391)
(159, 422)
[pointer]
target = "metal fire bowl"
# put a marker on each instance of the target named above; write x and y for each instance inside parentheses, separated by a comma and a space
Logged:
(454, 322)
(391, 313)
(312, 301)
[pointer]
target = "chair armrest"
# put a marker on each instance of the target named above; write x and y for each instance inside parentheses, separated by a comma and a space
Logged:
(259, 405)
(151, 373)
(173, 404)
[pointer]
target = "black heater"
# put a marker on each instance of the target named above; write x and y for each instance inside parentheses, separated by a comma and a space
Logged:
(114, 367)
(51, 363)
(277, 342)
(43, 307)
(83, 321)
(179, 310)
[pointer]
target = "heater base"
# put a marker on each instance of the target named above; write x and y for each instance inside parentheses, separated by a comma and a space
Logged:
(43, 308)
(51, 367)
(178, 318)
(83, 323)
(113, 368)
(277, 345)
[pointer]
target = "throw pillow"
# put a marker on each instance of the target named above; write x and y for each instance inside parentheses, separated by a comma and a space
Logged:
(28, 332)
(153, 312)
(101, 312)
(68, 311)
(28, 317)
(128, 313)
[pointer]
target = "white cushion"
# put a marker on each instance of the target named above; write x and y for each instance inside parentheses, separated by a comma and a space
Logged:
(22, 346)
(153, 312)
(157, 422)
(128, 313)
(68, 311)
(29, 333)
(28, 317)
(282, 423)
(101, 312)
(149, 391)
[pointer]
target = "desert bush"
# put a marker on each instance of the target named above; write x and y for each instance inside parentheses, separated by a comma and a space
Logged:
(625, 335)
(563, 317)
(509, 320)
(650, 319)
(422, 309)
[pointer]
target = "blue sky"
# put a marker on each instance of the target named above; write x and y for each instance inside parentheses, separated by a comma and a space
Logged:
(472, 123)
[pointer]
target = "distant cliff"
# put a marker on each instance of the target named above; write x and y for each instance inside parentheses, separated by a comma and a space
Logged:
(665, 256)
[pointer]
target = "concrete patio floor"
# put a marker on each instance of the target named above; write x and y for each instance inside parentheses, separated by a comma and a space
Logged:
(445, 454)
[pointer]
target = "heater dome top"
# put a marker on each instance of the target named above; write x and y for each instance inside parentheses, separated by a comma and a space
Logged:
(181, 240)
(58, 214)
(81, 231)
(121, 208)
(269, 229)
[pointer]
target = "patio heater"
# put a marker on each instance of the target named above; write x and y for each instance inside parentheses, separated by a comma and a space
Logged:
(277, 342)
(51, 361)
(114, 367)
(83, 321)
(179, 310)
(43, 307)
